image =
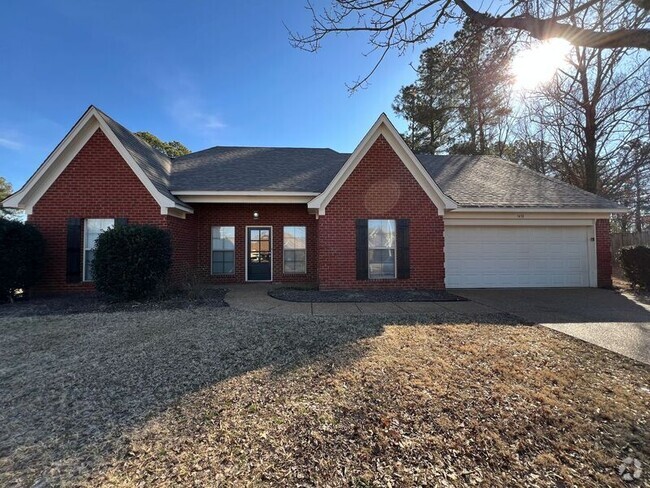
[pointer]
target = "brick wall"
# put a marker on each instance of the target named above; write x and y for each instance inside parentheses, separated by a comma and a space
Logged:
(380, 187)
(97, 183)
(241, 215)
(603, 253)
(183, 235)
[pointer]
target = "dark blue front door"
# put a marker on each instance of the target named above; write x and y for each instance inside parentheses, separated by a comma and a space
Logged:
(259, 254)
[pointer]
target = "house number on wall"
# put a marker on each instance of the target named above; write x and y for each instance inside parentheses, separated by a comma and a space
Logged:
(520, 216)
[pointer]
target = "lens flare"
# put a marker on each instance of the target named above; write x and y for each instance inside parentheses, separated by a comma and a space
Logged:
(537, 65)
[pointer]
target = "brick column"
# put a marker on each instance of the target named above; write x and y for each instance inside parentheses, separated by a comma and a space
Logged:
(603, 253)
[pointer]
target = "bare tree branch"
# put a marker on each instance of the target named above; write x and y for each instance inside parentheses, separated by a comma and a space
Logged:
(549, 28)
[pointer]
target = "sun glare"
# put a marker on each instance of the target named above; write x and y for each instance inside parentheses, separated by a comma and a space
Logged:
(538, 64)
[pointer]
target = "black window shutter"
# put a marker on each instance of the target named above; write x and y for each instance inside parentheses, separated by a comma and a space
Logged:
(120, 222)
(403, 251)
(362, 249)
(73, 253)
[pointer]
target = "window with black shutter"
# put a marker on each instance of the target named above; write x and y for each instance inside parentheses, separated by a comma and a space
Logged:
(73, 251)
(403, 249)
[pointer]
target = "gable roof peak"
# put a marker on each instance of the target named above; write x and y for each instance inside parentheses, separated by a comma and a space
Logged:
(150, 166)
(384, 127)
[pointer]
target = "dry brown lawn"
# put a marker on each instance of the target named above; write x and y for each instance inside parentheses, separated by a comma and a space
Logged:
(216, 397)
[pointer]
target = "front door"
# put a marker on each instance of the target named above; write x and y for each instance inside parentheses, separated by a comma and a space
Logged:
(259, 254)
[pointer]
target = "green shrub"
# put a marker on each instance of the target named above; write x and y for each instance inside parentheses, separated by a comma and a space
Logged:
(22, 257)
(131, 261)
(635, 263)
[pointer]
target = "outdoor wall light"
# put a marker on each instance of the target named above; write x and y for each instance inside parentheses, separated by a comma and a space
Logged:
(256, 215)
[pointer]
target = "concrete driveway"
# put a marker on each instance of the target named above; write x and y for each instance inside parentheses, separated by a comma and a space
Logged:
(603, 317)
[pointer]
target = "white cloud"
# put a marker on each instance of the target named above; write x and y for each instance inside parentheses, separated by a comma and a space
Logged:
(189, 109)
(10, 143)
(188, 112)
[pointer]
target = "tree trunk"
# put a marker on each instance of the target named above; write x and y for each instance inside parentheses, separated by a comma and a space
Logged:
(591, 165)
(637, 203)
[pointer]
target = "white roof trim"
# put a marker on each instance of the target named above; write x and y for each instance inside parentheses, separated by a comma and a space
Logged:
(199, 196)
(384, 127)
(64, 153)
(522, 210)
(246, 193)
(245, 199)
(518, 222)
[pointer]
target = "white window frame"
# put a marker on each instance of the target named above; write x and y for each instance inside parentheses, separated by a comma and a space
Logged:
(284, 271)
(86, 248)
(234, 251)
(394, 249)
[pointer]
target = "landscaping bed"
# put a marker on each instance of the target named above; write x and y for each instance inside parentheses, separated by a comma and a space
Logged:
(208, 396)
(96, 303)
(366, 296)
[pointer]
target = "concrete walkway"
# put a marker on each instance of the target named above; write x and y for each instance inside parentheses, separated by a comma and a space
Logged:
(602, 317)
(254, 297)
(606, 318)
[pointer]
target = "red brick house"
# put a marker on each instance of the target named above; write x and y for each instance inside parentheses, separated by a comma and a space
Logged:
(377, 218)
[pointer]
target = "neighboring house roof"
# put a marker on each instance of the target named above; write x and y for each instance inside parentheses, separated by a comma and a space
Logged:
(256, 169)
(486, 181)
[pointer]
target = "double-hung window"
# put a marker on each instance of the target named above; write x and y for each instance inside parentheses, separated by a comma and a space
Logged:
(382, 246)
(92, 229)
(295, 249)
(223, 250)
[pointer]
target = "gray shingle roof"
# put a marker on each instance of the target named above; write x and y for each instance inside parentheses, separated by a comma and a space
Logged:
(485, 181)
(471, 181)
(256, 169)
(155, 165)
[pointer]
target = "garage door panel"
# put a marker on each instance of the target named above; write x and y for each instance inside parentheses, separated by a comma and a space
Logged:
(498, 257)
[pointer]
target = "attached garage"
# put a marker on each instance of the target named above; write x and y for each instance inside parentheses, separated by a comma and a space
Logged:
(518, 256)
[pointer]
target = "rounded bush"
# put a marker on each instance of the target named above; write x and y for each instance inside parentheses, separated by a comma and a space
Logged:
(131, 261)
(635, 263)
(22, 257)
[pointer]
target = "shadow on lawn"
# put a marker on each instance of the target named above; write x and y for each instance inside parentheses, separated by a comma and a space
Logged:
(72, 386)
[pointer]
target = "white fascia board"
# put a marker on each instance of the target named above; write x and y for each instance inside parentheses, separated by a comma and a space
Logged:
(176, 212)
(523, 210)
(63, 154)
(29, 194)
(199, 193)
(383, 126)
(245, 199)
(518, 222)
(176, 209)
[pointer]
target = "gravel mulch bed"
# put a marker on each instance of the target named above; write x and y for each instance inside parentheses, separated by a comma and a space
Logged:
(366, 296)
(95, 303)
(208, 396)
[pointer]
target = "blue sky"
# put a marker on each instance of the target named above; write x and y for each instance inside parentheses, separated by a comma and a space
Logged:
(202, 72)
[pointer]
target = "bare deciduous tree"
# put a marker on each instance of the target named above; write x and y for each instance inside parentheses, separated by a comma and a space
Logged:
(397, 24)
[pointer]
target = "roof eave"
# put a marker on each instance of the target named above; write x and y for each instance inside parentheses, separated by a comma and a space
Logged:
(610, 210)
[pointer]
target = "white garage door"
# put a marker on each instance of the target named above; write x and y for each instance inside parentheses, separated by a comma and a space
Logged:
(503, 257)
